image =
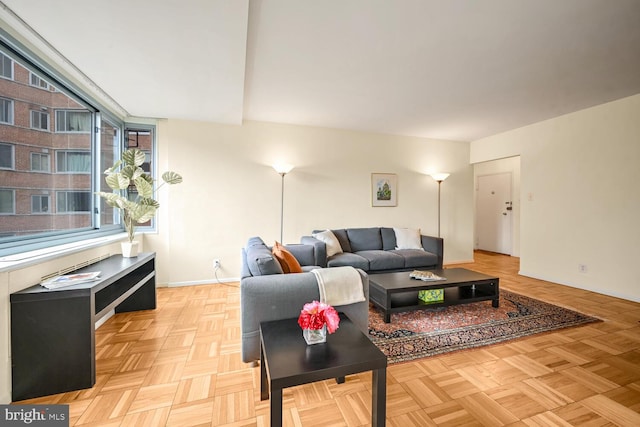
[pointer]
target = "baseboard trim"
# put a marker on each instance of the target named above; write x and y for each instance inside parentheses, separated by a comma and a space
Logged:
(465, 261)
(201, 282)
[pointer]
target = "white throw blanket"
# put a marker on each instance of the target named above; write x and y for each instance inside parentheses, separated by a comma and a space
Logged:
(339, 285)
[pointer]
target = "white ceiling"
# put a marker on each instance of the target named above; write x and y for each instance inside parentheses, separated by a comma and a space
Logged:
(445, 69)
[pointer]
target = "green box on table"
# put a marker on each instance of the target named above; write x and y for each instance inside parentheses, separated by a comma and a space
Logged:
(431, 295)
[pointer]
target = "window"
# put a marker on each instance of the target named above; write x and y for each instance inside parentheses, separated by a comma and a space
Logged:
(73, 201)
(73, 121)
(39, 120)
(73, 162)
(146, 166)
(142, 138)
(40, 203)
(6, 67)
(79, 139)
(41, 208)
(110, 136)
(7, 201)
(6, 111)
(38, 82)
(6, 156)
(40, 162)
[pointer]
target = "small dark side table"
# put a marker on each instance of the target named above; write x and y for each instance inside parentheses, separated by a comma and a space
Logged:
(286, 361)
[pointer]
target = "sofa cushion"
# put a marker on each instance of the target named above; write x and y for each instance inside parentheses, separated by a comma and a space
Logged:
(260, 260)
(341, 235)
(407, 238)
(304, 254)
(330, 240)
(388, 238)
(382, 260)
(346, 259)
(288, 262)
(365, 239)
(416, 258)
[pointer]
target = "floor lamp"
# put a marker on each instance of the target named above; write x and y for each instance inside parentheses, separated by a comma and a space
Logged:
(439, 177)
(282, 169)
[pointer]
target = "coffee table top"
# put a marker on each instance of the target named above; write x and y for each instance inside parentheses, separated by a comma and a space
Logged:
(400, 281)
(290, 361)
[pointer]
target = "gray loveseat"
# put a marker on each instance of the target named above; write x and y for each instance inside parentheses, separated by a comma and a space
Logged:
(266, 293)
(374, 250)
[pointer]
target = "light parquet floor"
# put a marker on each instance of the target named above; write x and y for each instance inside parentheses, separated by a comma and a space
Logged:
(179, 365)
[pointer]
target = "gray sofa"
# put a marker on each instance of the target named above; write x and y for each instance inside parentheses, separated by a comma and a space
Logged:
(373, 250)
(266, 293)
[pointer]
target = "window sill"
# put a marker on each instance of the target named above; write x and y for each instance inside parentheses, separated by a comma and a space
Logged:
(24, 259)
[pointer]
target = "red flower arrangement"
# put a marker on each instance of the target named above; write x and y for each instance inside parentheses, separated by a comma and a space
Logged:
(314, 315)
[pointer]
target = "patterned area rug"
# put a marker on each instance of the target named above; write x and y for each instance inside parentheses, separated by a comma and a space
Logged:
(423, 333)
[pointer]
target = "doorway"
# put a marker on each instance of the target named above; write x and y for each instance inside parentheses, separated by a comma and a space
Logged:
(494, 213)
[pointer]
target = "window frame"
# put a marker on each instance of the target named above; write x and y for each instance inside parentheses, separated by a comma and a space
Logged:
(13, 202)
(66, 202)
(40, 154)
(153, 160)
(41, 114)
(40, 197)
(41, 83)
(66, 111)
(2, 58)
(10, 109)
(69, 151)
(13, 156)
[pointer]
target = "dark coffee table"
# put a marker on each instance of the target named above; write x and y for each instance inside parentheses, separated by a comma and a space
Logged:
(397, 292)
(286, 360)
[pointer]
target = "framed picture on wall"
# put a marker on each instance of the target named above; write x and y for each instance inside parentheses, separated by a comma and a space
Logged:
(384, 189)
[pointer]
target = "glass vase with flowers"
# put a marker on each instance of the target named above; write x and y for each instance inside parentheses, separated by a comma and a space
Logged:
(316, 319)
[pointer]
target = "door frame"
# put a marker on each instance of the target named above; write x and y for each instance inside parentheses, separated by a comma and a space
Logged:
(489, 167)
(510, 236)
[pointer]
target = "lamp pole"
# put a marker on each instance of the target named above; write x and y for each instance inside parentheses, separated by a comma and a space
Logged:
(439, 184)
(282, 174)
(282, 169)
(439, 177)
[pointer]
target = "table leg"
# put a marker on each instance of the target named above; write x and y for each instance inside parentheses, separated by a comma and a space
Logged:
(387, 317)
(495, 303)
(378, 398)
(340, 380)
(276, 407)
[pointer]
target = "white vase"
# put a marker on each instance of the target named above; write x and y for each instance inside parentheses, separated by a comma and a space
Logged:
(129, 249)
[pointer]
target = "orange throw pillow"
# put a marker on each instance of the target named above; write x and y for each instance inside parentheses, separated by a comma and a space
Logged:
(287, 261)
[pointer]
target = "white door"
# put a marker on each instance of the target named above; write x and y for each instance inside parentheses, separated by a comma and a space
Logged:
(494, 213)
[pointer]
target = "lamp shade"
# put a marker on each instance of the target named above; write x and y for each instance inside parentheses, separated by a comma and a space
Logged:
(283, 168)
(440, 176)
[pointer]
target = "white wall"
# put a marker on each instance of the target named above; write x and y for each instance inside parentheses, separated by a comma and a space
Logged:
(510, 165)
(580, 179)
(230, 191)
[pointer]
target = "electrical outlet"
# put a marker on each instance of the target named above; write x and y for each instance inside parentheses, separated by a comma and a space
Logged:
(216, 264)
(582, 268)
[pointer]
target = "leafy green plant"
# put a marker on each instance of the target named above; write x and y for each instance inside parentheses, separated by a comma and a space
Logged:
(127, 173)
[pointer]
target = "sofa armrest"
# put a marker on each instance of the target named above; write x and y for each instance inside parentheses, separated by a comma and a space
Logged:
(282, 296)
(435, 245)
(320, 249)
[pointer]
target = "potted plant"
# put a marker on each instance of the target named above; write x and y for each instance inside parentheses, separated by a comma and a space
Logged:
(127, 173)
